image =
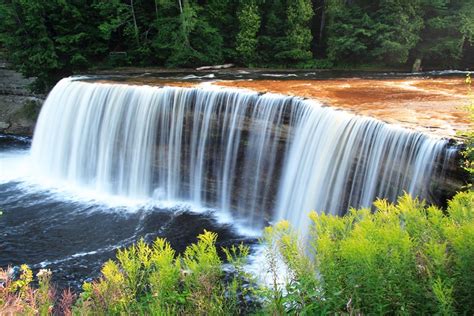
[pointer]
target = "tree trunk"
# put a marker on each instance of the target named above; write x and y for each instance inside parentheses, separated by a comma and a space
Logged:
(183, 24)
(416, 65)
(323, 21)
(135, 22)
(156, 9)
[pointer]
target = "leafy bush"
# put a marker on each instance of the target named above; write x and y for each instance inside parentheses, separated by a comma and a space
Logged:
(153, 279)
(405, 258)
(300, 294)
(17, 296)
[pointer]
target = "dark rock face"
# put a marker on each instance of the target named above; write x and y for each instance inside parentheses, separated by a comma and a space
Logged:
(449, 178)
(19, 107)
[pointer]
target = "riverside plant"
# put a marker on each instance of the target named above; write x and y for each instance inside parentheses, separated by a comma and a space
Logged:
(468, 136)
(19, 297)
(404, 258)
(153, 279)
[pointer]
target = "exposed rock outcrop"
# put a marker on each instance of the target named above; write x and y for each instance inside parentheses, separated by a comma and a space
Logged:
(19, 107)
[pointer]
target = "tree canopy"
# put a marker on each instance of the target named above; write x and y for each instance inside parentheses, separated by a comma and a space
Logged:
(49, 39)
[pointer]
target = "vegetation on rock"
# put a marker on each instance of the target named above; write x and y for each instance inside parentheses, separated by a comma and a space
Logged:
(29, 111)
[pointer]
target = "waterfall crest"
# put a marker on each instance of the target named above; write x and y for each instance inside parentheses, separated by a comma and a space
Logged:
(259, 157)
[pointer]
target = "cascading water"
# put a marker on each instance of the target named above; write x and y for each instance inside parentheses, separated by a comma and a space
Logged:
(259, 157)
(355, 161)
(208, 147)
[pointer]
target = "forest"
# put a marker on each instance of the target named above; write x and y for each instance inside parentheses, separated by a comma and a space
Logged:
(52, 39)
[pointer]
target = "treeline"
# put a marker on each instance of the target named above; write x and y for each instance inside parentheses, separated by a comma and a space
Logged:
(52, 38)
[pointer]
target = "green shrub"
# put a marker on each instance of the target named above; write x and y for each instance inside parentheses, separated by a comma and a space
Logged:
(18, 297)
(155, 280)
(468, 136)
(316, 64)
(405, 258)
(300, 292)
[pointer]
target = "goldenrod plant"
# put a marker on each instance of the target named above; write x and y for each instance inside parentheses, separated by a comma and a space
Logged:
(154, 280)
(299, 293)
(44, 293)
(18, 297)
(404, 258)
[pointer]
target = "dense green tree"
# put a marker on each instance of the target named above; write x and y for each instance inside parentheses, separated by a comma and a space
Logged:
(362, 31)
(49, 39)
(184, 36)
(115, 19)
(167, 24)
(398, 25)
(448, 27)
(298, 39)
(318, 27)
(34, 54)
(249, 24)
(271, 39)
(350, 33)
(466, 17)
(220, 15)
(128, 27)
(198, 42)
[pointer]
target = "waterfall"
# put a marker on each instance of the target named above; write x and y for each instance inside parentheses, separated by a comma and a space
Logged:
(258, 157)
(353, 162)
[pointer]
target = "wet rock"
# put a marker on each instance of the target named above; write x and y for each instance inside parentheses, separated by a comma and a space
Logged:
(19, 107)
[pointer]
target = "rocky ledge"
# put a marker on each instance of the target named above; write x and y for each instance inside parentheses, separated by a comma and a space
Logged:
(435, 106)
(431, 105)
(19, 107)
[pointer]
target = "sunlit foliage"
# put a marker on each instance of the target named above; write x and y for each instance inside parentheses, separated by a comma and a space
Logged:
(404, 258)
(153, 279)
(53, 39)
